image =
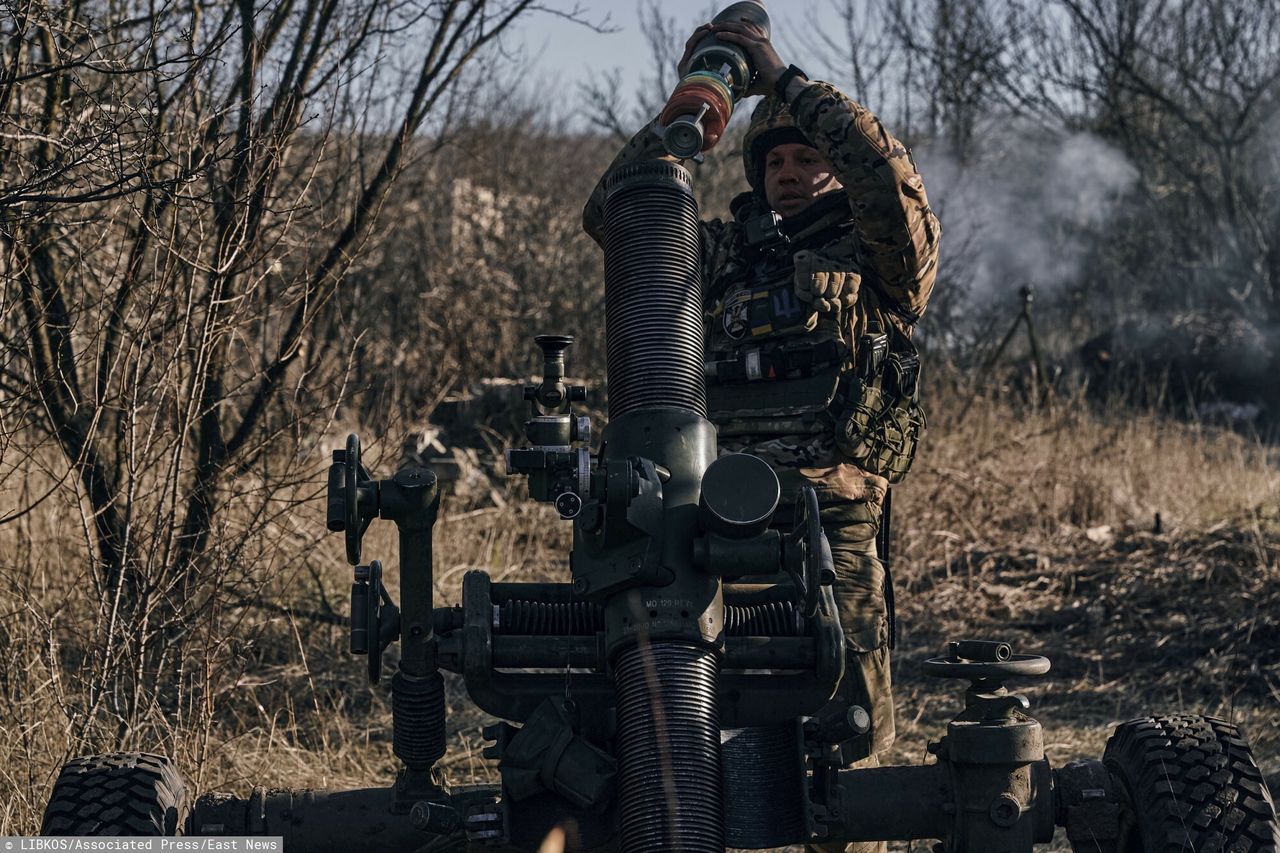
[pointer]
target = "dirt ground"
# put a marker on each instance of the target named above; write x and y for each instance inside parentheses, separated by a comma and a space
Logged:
(1038, 528)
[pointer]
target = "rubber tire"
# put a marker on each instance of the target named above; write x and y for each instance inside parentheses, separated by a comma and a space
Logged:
(127, 793)
(1189, 783)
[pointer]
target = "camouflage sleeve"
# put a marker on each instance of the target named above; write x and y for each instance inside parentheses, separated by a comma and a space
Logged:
(645, 145)
(714, 235)
(891, 212)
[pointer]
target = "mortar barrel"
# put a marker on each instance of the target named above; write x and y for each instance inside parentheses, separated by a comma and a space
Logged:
(653, 305)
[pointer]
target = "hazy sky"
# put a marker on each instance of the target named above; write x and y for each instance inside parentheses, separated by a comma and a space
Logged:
(565, 52)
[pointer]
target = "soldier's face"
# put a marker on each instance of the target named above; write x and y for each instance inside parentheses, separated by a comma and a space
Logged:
(794, 176)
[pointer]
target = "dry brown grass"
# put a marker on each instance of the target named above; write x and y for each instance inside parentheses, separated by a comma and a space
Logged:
(1030, 525)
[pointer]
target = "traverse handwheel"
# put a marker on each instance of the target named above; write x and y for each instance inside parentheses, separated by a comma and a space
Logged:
(808, 557)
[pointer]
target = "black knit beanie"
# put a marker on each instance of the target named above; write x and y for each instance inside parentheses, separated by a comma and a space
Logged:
(769, 139)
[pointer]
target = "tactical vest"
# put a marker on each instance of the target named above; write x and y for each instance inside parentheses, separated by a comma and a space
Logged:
(773, 363)
(776, 366)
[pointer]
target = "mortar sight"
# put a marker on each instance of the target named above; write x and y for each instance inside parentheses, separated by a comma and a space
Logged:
(552, 394)
(558, 459)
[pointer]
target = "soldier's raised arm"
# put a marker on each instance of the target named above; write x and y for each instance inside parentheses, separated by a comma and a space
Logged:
(891, 212)
(645, 145)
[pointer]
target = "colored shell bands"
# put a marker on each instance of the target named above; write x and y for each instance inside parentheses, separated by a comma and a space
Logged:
(711, 78)
(692, 92)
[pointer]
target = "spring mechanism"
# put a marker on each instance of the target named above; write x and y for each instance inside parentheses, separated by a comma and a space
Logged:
(417, 719)
(763, 807)
(653, 292)
(772, 619)
(584, 618)
(545, 618)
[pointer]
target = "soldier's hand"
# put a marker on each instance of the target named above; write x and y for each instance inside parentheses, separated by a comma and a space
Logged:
(682, 67)
(830, 291)
(769, 66)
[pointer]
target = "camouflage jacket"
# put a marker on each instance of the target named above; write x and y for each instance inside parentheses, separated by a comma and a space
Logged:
(886, 234)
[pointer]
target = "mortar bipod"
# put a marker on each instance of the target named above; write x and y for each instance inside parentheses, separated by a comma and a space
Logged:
(411, 499)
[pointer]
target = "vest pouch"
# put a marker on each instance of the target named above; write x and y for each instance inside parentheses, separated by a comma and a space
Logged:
(779, 407)
(879, 432)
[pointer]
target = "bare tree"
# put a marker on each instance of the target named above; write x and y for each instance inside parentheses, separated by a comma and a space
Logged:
(1186, 91)
(605, 99)
(1190, 91)
(859, 52)
(188, 185)
(956, 53)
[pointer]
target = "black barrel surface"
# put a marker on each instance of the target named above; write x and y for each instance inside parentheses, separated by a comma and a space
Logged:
(653, 296)
(763, 771)
(669, 793)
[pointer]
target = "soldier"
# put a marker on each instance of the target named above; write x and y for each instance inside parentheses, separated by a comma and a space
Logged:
(810, 295)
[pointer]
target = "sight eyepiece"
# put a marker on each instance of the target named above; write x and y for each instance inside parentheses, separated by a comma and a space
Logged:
(552, 394)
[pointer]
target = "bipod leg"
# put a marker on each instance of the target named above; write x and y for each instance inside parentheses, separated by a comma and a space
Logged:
(1042, 390)
(412, 500)
(991, 362)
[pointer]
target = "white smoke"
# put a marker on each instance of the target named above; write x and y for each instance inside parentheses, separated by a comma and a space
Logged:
(1025, 210)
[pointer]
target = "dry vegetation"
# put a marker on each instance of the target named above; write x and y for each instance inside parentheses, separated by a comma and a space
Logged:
(230, 233)
(1034, 526)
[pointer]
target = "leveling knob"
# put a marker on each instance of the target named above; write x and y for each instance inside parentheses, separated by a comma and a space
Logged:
(985, 662)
